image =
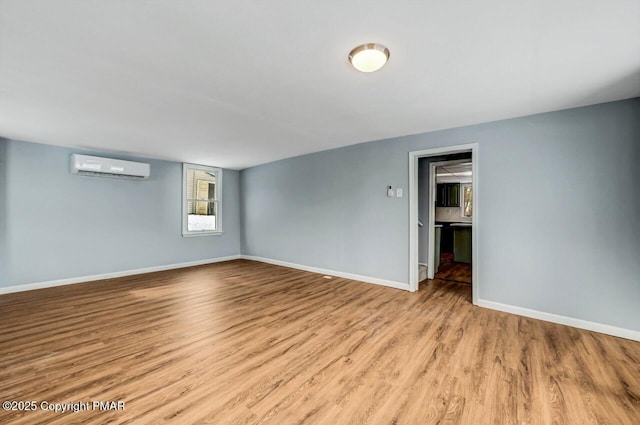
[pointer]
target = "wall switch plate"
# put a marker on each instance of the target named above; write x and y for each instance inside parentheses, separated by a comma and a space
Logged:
(390, 191)
(399, 192)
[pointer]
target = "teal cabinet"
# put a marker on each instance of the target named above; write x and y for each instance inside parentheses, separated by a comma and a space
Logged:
(462, 245)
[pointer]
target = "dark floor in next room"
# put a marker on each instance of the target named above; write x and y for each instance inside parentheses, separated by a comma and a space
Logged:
(457, 272)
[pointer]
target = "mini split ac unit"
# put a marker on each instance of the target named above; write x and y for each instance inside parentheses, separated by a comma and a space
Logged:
(107, 167)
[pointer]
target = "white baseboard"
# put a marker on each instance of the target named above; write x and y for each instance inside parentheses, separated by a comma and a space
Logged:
(520, 311)
(367, 279)
(81, 279)
(562, 320)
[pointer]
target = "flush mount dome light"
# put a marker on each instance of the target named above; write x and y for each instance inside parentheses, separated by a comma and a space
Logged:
(369, 57)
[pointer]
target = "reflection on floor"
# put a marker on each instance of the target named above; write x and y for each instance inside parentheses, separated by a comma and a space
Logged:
(457, 272)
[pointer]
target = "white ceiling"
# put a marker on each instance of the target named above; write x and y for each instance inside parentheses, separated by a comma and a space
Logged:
(455, 173)
(239, 83)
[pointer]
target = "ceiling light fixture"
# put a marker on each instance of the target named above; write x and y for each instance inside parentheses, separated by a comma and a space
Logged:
(369, 57)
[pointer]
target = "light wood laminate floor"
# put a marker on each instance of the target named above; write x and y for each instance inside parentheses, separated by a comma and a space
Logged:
(250, 343)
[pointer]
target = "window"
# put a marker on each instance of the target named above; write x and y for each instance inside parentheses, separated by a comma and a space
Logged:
(201, 195)
(467, 200)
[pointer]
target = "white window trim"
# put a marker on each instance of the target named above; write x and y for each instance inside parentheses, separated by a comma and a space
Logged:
(185, 232)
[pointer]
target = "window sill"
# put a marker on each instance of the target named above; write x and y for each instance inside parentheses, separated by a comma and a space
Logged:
(196, 234)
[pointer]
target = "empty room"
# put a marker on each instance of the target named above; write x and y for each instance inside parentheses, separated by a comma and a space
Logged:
(320, 212)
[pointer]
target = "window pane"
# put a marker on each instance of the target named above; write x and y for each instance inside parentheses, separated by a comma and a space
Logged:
(201, 185)
(468, 201)
(201, 215)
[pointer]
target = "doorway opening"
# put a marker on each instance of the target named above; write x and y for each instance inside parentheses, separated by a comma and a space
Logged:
(449, 250)
(443, 211)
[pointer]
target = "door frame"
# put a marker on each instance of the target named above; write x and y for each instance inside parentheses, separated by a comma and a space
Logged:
(414, 156)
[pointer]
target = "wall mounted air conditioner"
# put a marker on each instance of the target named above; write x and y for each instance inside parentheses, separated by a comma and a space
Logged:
(86, 165)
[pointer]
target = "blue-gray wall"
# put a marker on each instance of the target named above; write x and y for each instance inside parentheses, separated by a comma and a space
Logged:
(61, 225)
(559, 228)
(559, 203)
(3, 210)
(329, 210)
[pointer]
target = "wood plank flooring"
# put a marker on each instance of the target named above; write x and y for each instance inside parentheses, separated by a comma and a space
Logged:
(250, 343)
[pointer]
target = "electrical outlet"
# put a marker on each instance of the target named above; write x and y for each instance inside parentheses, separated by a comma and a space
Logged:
(390, 191)
(399, 192)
